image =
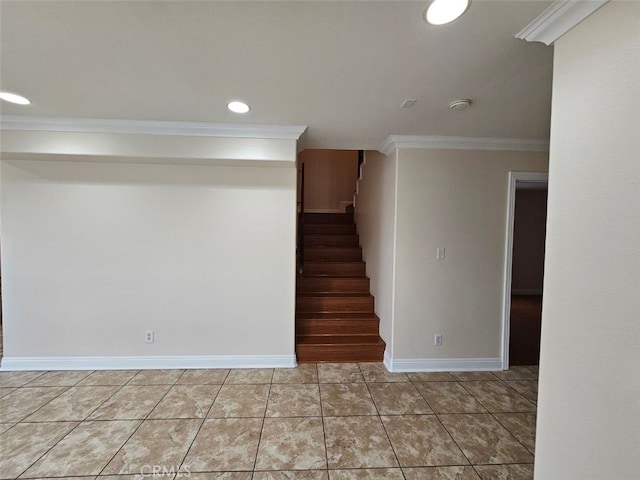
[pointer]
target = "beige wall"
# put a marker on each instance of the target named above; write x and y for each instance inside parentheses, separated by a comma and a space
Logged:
(529, 229)
(456, 199)
(330, 178)
(375, 216)
(94, 254)
(412, 202)
(589, 400)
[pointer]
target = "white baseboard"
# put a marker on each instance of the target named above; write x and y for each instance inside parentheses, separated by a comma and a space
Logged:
(442, 364)
(526, 291)
(142, 363)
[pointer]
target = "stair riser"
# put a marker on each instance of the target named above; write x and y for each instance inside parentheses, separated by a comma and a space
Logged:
(331, 240)
(334, 269)
(332, 254)
(311, 218)
(337, 327)
(333, 284)
(329, 229)
(334, 304)
(339, 353)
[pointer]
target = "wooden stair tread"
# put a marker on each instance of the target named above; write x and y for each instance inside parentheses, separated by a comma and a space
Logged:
(341, 277)
(331, 263)
(329, 228)
(331, 240)
(335, 316)
(332, 253)
(334, 294)
(330, 234)
(337, 324)
(365, 339)
(328, 218)
(333, 269)
(332, 247)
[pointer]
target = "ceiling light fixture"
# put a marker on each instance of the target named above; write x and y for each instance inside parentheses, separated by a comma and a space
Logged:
(440, 12)
(461, 104)
(238, 107)
(14, 98)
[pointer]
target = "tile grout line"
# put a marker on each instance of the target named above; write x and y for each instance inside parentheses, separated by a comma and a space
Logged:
(475, 397)
(492, 414)
(141, 420)
(421, 395)
(437, 415)
(521, 394)
(443, 425)
(264, 416)
(65, 387)
(49, 449)
(384, 428)
(324, 432)
(454, 441)
(28, 381)
(61, 438)
(513, 434)
(204, 419)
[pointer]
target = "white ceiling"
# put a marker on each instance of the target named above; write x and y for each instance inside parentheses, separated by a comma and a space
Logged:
(342, 68)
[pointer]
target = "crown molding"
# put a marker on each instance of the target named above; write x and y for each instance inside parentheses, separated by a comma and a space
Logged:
(560, 17)
(463, 143)
(190, 129)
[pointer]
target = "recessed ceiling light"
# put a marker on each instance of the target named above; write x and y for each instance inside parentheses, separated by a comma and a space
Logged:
(14, 98)
(439, 12)
(238, 107)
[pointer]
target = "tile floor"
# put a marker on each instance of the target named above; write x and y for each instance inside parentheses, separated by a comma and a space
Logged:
(325, 421)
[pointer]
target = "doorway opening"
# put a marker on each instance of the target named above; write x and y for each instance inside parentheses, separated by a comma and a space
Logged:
(524, 268)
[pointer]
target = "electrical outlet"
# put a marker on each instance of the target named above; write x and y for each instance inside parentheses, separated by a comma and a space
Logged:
(437, 339)
(440, 253)
(148, 336)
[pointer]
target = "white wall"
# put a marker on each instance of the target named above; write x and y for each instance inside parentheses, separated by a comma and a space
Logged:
(375, 216)
(412, 202)
(456, 199)
(93, 254)
(589, 400)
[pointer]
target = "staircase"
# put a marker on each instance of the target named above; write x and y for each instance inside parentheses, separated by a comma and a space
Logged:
(335, 319)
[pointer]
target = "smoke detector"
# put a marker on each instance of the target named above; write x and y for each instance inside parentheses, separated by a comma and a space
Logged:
(461, 104)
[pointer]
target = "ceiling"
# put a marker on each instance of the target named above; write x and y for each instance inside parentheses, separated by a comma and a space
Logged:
(342, 68)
